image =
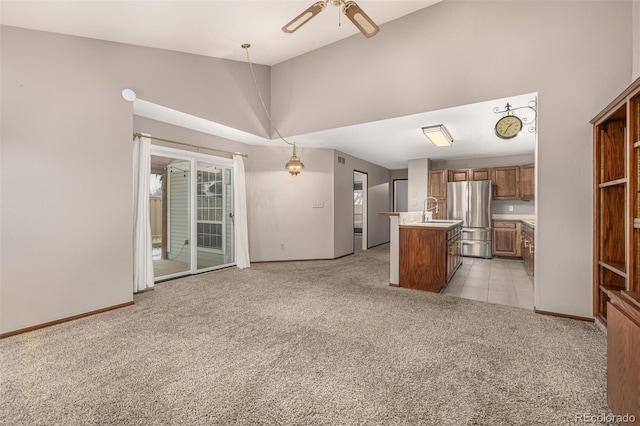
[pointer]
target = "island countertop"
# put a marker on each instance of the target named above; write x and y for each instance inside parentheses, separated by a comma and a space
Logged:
(433, 224)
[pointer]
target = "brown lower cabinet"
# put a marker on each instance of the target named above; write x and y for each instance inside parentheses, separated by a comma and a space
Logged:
(429, 256)
(527, 247)
(623, 344)
(506, 238)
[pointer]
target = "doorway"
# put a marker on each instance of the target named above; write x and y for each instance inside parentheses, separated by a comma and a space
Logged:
(191, 212)
(360, 187)
(401, 195)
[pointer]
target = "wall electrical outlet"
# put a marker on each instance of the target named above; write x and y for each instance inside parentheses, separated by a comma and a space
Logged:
(510, 208)
(186, 242)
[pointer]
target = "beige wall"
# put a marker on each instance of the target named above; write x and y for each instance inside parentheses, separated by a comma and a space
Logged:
(281, 208)
(66, 170)
(378, 189)
(576, 55)
(66, 136)
(417, 187)
(636, 39)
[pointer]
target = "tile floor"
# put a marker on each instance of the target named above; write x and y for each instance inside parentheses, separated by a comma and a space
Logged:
(500, 281)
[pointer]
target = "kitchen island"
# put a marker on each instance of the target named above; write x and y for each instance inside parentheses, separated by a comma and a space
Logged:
(430, 253)
(423, 256)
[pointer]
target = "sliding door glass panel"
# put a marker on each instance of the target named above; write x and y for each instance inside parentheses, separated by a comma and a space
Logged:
(214, 216)
(170, 216)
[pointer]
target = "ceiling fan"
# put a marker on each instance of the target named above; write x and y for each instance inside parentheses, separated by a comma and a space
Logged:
(360, 19)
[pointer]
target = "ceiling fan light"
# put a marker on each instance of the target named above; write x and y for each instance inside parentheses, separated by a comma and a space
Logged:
(438, 135)
(360, 19)
(304, 17)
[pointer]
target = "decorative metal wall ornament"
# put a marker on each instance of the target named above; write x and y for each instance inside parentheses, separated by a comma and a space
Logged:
(510, 124)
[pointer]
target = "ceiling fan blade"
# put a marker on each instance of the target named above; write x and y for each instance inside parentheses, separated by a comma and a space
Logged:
(360, 19)
(302, 19)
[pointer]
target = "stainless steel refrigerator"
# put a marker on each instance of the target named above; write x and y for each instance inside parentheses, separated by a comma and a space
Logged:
(471, 202)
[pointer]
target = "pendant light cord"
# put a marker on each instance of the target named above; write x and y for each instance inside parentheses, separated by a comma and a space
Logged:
(246, 47)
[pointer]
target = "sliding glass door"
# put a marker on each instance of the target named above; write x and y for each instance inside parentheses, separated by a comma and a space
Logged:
(169, 206)
(191, 212)
(214, 227)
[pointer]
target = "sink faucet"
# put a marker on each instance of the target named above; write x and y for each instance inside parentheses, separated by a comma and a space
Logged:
(425, 209)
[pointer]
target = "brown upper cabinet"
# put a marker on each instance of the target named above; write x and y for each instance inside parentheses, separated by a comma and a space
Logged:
(437, 187)
(480, 174)
(437, 183)
(527, 182)
(505, 182)
(458, 175)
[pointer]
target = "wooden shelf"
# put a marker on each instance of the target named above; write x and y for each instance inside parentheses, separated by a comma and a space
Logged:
(613, 183)
(616, 267)
(632, 296)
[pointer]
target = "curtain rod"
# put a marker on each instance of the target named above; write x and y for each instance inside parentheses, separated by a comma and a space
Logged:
(140, 135)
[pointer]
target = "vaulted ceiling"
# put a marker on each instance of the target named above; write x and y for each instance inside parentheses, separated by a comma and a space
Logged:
(218, 28)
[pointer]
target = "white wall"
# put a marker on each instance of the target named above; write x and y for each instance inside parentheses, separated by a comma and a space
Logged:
(66, 168)
(397, 174)
(636, 39)
(281, 208)
(63, 116)
(461, 52)
(417, 187)
(378, 179)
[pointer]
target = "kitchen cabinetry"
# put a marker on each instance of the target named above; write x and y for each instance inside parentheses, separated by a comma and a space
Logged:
(437, 187)
(505, 182)
(428, 255)
(479, 174)
(437, 183)
(454, 251)
(528, 247)
(458, 175)
(461, 175)
(506, 238)
(527, 182)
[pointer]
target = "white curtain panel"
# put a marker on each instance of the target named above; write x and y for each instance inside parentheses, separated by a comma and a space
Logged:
(142, 256)
(240, 200)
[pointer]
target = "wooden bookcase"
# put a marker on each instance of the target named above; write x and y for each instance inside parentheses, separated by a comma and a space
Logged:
(616, 241)
(616, 136)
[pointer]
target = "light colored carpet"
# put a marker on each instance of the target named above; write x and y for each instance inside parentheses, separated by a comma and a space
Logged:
(319, 343)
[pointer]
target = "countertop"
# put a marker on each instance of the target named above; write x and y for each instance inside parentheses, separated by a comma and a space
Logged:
(433, 225)
(529, 219)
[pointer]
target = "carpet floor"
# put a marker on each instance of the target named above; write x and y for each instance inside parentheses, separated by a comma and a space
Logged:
(304, 343)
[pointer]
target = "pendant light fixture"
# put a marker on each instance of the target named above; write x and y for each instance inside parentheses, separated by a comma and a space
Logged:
(294, 165)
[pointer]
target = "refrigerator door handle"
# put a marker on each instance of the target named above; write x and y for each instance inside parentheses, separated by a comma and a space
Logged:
(468, 198)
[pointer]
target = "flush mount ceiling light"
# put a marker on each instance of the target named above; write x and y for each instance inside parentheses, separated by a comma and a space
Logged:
(367, 27)
(438, 135)
(294, 165)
